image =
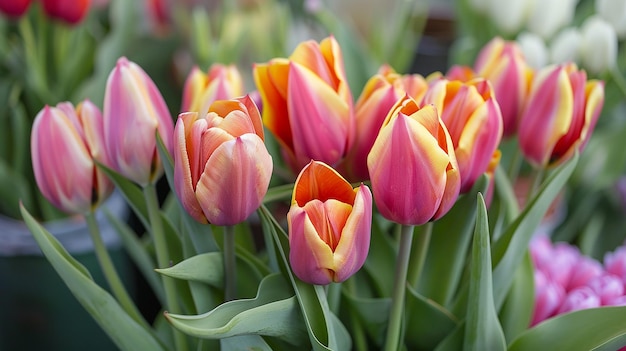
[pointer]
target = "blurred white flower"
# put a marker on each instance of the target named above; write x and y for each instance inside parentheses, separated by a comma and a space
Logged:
(534, 49)
(481, 6)
(548, 16)
(566, 46)
(614, 11)
(599, 45)
(510, 16)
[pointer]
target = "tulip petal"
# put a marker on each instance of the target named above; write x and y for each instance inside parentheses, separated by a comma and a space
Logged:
(308, 54)
(235, 180)
(271, 81)
(319, 181)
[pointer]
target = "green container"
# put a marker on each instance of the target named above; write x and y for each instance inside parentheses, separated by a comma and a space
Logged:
(37, 310)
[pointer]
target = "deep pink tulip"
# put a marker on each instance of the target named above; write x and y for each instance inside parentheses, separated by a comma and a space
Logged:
(68, 11)
(222, 168)
(329, 225)
(548, 298)
(472, 116)
(608, 287)
(412, 165)
(134, 111)
(14, 8)
(583, 272)
(578, 299)
(64, 144)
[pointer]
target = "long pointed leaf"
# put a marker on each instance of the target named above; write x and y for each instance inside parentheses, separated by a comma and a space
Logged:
(123, 330)
(482, 327)
(131, 192)
(428, 323)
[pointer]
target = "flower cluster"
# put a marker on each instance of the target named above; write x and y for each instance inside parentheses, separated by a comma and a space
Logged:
(566, 280)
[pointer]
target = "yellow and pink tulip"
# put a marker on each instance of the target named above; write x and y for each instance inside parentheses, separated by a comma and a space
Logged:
(329, 225)
(201, 89)
(222, 168)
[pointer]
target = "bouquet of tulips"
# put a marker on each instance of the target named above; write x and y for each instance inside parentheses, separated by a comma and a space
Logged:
(300, 217)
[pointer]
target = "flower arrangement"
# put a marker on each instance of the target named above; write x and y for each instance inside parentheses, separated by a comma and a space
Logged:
(314, 212)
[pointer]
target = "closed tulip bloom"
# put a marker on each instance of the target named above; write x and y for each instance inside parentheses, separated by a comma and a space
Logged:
(599, 45)
(68, 11)
(329, 225)
(307, 103)
(222, 168)
(201, 89)
(503, 64)
(548, 297)
(64, 144)
(473, 119)
(412, 165)
(14, 8)
(134, 111)
(380, 93)
(560, 114)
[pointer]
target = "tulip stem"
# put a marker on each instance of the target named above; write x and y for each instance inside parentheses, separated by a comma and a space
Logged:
(163, 258)
(109, 271)
(418, 253)
(396, 315)
(230, 264)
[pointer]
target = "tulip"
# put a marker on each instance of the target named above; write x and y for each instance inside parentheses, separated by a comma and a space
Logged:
(599, 45)
(608, 287)
(380, 93)
(329, 225)
(14, 8)
(459, 72)
(614, 11)
(560, 114)
(307, 103)
(547, 17)
(579, 299)
(473, 119)
(565, 47)
(64, 144)
(221, 166)
(503, 64)
(220, 83)
(510, 16)
(548, 298)
(69, 11)
(534, 49)
(583, 272)
(412, 165)
(615, 263)
(134, 111)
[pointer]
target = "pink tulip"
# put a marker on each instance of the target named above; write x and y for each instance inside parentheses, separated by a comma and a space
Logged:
(615, 263)
(14, 8)
(201, 89)
(134, 111)
(583, 271)
(608, 287)
(222, 168)
(548, 298)
(472, 115)
(412, 165)
(64, 144)
(579, 299)
(68, 11)
(329, 225)
(307, 103)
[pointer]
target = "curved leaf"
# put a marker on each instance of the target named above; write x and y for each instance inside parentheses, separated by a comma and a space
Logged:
(482, 327)
(272, 313)
(373, 313)
(123, 330)
(206, 268)
(131, 192)
(517, 310)
(601, 328)
(427, 323)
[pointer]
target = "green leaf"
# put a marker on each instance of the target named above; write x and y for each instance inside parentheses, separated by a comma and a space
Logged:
(123, 330)
(206, 268)
(373, 314)
(519, 304)
(601, 328)
(509, 250)
(427, 323)
(482, 327)
(380, 262)
(449, 248)
(131, 192)
(323, 333)
(273, 312)
(244, 342)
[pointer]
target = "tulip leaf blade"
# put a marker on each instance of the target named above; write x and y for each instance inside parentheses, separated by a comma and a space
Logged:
(482, 327)
(604, 329)
(517, 310)
(508, 251)
(206, 268)
(273, 312)
(131, 192)
(325, 330)
(373, 314)
(449, 247)
(428, 323)
(125, 332)
(244, 342)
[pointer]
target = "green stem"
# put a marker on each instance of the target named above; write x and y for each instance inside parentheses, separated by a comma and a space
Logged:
(396, 315)
(110, 274)
(333, 294)
(418, 253)
(163, 258)
(230, 264)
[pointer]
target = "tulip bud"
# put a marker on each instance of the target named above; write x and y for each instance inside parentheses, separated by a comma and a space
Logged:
(69, 11)
(614, 11)
(473, 119)
(412, 165)
(546, 18)
(307, 103)
(64, 144)
(14, 8)
(134, 111)
(510, 16)
(329, 225)
(380, 93)
(599, 45)
(560, 114)
(503, 64)
(534, 49)
(222, 168)
(201, 90)
(566, 46)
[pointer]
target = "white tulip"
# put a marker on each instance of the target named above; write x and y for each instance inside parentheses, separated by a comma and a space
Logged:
(565, 47)
(510, 16)
(548, 16)
(599, 45)
(534, 49)
(614, 11)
